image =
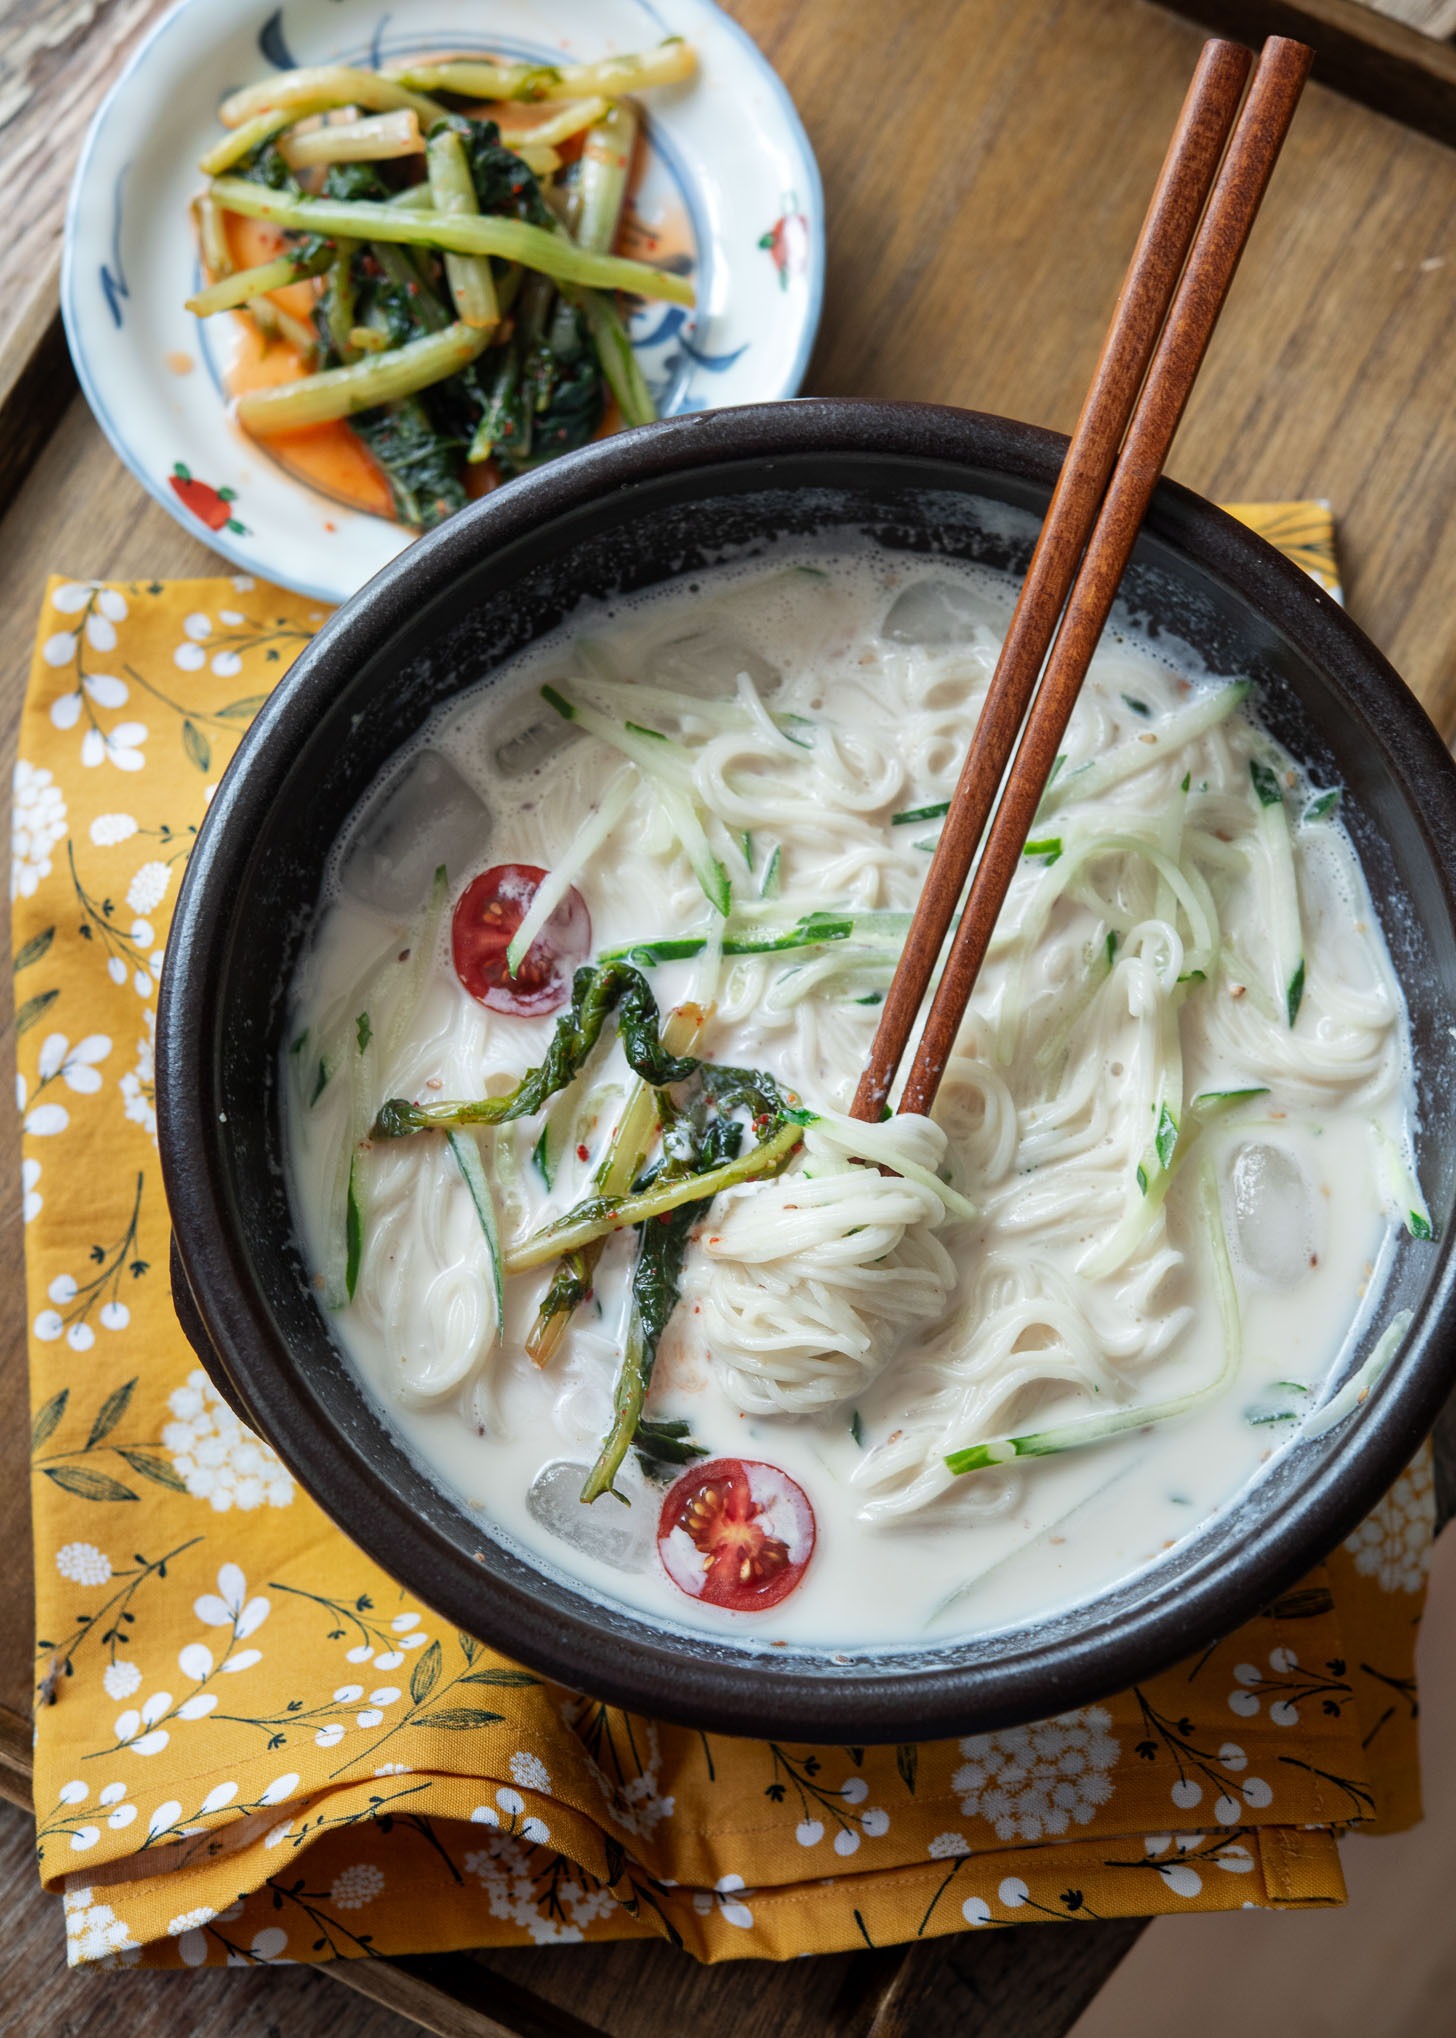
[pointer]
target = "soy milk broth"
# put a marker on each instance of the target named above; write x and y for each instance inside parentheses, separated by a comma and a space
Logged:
(1004, 1546)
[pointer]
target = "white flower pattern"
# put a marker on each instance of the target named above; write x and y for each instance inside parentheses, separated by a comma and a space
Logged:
(139, 1084)
(109, 829)
(1032, 1783)
(121, 1679)
(1393, 1544)
(37, 824)
(147, 890)
(357, 1886)
(220, 1459)
(95, 1935)
(505, 1869)
(83, 1563)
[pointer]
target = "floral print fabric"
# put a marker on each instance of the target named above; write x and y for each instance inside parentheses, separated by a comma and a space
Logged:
(252, 1746)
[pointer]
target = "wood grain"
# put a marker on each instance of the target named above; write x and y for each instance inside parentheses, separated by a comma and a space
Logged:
(57, 60)
(1359, 50)
(975, 251)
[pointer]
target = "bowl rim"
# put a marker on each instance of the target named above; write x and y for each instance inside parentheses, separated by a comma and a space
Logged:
(658, 1672)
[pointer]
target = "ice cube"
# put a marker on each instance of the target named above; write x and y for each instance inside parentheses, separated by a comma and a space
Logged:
(938, 613)
(1273, 1213)
(707, 661)
(613, 1534)
(425, 816)
(535, 743)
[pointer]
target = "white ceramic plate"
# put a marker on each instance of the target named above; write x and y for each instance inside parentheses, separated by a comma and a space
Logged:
(727, 155)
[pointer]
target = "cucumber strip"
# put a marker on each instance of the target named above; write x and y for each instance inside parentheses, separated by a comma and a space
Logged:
(1101, 959)
(667, 765)
(1161, 1161)
(349, 1214)
(1187, 887)
(1087, 781)
(1278, 1403)
(1400, 1191)
(1285, 931)
(422, 946)
(1097, 1429)
(1211, 1104)
(936, 811)
(542, 1159)
(771, 883)
(1356, 1389)
(564, 872)
(355, 1039)
(880, 930)
(353, 1227)
(467, 1158)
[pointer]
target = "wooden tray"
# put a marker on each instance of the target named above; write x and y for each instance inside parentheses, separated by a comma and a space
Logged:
(1359, 51)
(980, 272)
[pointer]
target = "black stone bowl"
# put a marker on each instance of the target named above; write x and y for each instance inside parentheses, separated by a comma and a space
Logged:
(627, 513)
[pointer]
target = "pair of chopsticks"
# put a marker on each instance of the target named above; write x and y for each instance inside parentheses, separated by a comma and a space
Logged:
(1170, 301)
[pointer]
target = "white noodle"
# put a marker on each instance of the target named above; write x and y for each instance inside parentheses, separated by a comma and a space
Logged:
(1128, 974)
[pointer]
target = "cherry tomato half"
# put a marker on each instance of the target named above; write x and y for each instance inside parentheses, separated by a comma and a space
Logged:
(737, 1533)
(491, 908)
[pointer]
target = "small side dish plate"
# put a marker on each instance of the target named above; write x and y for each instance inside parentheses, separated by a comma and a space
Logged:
(728, 179)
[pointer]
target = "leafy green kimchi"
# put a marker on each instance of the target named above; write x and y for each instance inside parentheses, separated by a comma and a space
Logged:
(435, 249)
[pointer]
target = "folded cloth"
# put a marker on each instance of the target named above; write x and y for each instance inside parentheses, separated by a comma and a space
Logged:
(254, 1746)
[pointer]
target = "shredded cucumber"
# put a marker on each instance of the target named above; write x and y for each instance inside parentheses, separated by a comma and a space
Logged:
(558, 881)
(541, 1156)
(1096, 1429)
(467, 1158)
(353, 1228)
(667, 765)
(1355, 1390)
(882, 931)
(1089, 781)
(353, 1039)
(1285, 933)
(1399, 1188)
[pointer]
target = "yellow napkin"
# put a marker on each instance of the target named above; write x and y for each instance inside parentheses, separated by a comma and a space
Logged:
(253, 1746)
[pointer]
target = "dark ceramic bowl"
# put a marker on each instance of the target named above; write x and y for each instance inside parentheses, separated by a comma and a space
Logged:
(627, 513)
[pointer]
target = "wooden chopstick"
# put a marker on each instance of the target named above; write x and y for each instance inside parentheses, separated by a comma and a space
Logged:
(1147, 291)
(1253, 150)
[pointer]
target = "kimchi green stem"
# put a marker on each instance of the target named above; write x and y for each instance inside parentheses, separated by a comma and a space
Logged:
(362, 385)
(513, 239)
(602, 1215)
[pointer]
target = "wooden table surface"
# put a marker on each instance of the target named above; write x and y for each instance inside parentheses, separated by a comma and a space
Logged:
(986, 168)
